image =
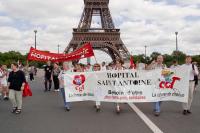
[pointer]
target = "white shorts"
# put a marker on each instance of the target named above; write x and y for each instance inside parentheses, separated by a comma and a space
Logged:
(4, 83)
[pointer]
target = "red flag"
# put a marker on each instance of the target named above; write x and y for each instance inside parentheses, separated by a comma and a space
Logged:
(132, 64)
(83, 52)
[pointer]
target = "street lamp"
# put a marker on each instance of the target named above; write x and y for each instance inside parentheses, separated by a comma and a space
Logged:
(35, 31)
(58, 48)
(145, 53)
(176, 33)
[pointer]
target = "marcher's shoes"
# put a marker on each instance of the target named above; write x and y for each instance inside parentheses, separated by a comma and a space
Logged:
(157, 114)
(5, 98)
(67, 109)
(118, 111)
(189, 112)
(14, 110)
(185, 112)
(18, 111)
(98, 109)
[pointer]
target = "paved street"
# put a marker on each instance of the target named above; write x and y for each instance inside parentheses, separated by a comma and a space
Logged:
(44, 113)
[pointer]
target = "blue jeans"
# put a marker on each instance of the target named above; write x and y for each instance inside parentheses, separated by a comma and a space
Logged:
(66, 104)
(157, 106)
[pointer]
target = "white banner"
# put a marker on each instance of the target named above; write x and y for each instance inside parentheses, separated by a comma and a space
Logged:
(128, 86)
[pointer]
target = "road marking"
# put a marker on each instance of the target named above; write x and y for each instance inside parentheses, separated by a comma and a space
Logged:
(148, 122)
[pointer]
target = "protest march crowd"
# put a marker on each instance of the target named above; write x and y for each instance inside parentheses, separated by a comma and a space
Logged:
(12, 82)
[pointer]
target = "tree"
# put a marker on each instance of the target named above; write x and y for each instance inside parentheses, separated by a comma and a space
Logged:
(196, 58)
(8, 58)
(154, 55)
(168, 59)
(179, 56)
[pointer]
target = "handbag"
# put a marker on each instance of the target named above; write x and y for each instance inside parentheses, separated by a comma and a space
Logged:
(27, 90)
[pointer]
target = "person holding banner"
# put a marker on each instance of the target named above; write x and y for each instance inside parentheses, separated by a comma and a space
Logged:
(78, 68)
(119, 67)
(48, 76)
(158, 64)
(55, 73)
(193, 71)
(103, 66)
(61, 80)
(174, 65)
(140, 65)
(88, 68)
(97, 67)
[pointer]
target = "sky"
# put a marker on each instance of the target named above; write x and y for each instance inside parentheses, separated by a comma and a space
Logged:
(142, 22)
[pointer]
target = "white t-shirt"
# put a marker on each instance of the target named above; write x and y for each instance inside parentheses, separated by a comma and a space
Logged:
(174, 66)
(120, 69)
(61, 77)
(192, 74)
(103, 68)
(3, 80)
(89, 70)
(141, 66)
(158, 66)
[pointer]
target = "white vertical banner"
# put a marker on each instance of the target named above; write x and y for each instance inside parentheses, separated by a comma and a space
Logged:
(77, 87)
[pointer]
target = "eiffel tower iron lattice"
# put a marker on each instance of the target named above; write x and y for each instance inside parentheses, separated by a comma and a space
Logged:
(106, 38)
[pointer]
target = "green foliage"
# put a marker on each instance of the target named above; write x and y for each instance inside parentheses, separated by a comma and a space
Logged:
(154, 55)
(8, 58)
(12, 56)
(196, 58)
(168, 59)
(180, 56)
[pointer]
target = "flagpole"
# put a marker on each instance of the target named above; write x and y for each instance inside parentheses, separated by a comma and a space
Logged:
(94, 56)
(95, 59)
(27, 62)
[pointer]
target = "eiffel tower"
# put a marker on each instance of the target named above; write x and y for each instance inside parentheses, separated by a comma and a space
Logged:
(105, 38)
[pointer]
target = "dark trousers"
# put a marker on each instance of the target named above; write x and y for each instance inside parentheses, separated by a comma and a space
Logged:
(31, 76)
(47, 84)
(56, 82)
(196, 79)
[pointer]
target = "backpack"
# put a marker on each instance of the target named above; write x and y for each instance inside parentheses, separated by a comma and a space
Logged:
(195, 76)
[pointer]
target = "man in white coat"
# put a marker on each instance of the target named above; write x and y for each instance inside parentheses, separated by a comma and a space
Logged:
(193, 71)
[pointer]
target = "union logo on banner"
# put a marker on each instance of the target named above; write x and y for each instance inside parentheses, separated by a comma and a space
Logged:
(79, 81)
(169, 79)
